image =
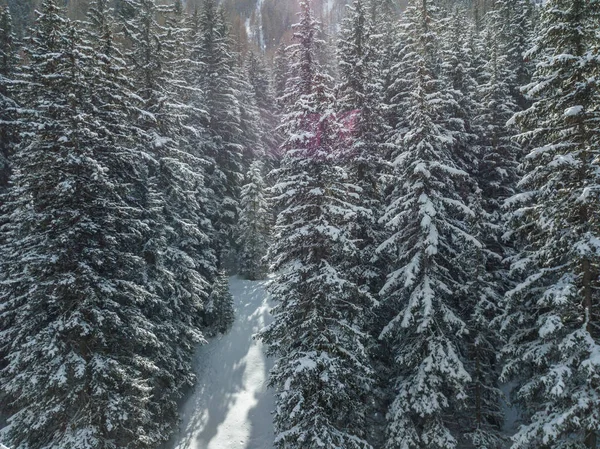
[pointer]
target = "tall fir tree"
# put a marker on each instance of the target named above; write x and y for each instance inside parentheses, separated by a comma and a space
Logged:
(496, 176)
(8, 123)
(383, 15)
(178, 250)
(196, 142)
(249, 134)
(8, 62)
(360, 97)
(263, 92)
(322, 377)
(552, 315)
(281, 72)
(254, 225)
(220, 313)
(428, 223)
(457, 74)
(498, 152)
(72, 302)
(517, 19)
(215, 76)
(481, 419)
(252, 128)
(23, 15)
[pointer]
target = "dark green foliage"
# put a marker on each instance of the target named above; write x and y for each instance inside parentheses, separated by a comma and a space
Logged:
(214, 75)
(23, 14)
(552, 316)
(254, 225)
(8, 124)
(262, 90)
(77, 340)
(517, 21)
(360, 99)
(178, 247)
(323, 376)
(108, 243)
(219, 314)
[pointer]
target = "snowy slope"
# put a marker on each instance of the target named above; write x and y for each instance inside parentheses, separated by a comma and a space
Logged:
(230, 407)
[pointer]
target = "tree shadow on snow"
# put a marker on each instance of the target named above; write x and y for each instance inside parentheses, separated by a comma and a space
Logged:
(261, 417)
(221, 369)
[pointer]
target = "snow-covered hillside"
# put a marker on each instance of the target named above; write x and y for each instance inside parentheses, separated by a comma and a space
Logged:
(231, 406)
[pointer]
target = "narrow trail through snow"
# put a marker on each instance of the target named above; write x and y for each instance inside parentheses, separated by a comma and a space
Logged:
(230, 408)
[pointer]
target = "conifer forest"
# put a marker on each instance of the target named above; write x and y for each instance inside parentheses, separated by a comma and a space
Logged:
(416, 184)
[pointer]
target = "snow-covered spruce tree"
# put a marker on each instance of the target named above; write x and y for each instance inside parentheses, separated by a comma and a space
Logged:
(178, 251)
(8, 123)
(552, 316)
(215, 76)
(191, 160)
(495, 171)
(22, 12)
(8, 60)
(251, 125)
(220, 314)
(360, 101)
(396, 85)
(281, 71)
(262, 90)
(197, 140)
(427, 220)
(480, 421)
(248, 135)
(254, 225)
(384, 19)
(385, 23)
(457, 74)
(517, 30)
(322, 377)
(71, 305)
(326, 53)
(498, 152)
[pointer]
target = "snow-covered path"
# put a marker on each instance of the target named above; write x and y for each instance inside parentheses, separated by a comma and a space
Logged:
(230, 407)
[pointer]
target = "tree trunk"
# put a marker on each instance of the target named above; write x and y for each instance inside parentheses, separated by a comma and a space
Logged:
(590, 439)
(587, 292)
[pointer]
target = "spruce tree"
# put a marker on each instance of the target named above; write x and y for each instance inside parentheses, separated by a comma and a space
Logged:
(517, 19)
(72, 302)
(457, 74)
(220, 313)
(322, 377)
(254, 225)
(481, 419)
(196, 142)
(383, 16)
(8, 60)
(360, 98)
(249, 133)
(178, 249)
(214, 76)
(23, 15)
(428, 223)
(262, 91)
(499, 153)
(280, 74)
(251, 124)
(8, 124)
(552, 315)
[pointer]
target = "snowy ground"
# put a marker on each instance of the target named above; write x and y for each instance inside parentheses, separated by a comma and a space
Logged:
(230, 407)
